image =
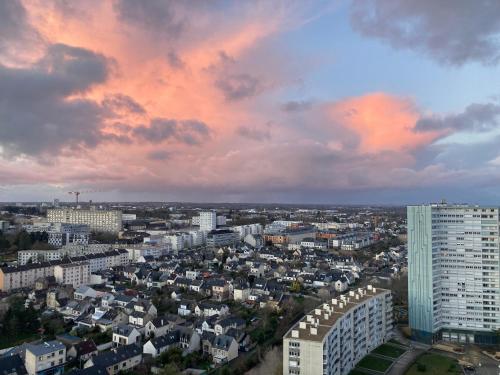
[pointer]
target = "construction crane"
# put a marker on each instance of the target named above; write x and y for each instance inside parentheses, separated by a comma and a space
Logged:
(77, 193)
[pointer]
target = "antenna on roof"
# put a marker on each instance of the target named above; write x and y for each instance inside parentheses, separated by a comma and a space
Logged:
(443, 201)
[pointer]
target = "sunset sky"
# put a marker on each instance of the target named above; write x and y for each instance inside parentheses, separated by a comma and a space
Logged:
(361, 101)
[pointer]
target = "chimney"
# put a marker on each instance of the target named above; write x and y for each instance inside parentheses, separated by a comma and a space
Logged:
(302, 325)
(295, 334)
(314, 331)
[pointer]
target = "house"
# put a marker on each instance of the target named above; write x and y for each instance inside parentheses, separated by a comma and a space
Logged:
(12, 365)
(48, 357)
(207, 340)
(241, 291)
(138, 318)
(83, 351)
(84, 291)
(125, 335)
(159, 344)
(225, 324)
(117, 360)
(157, 327)
(189, 339)
(186, 308)
(220, 289)
(196, 285)
(207, 308)
(224, 349)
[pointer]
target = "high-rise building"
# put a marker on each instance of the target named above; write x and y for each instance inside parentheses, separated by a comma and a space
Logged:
(97, 220)
(208, 220)
(335, 336)
(453, 272)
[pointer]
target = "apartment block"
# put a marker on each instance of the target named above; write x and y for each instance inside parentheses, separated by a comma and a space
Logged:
(453, 273)
(336, 335)
(97, 220)
(74, 274)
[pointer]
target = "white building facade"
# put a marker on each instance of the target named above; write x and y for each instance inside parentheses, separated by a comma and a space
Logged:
(335, 336)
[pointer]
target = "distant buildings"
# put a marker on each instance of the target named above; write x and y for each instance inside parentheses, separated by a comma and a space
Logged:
(283, 233)
(25, 276)
(222, 237)
(453, 277)
(208, 220)
(97, 220)
(335, 336)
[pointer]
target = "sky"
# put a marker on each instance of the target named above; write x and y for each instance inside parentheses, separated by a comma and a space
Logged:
(293, 101)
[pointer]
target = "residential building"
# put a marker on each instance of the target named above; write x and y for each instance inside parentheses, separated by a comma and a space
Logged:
(45, 358)
(117, 360)
(74, 274)
(208, 220)
(335, 336)
(221, 237)
(453, 273)
(97, 220)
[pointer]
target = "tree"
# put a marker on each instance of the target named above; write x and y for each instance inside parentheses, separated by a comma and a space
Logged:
(295, 287)
(170, 369)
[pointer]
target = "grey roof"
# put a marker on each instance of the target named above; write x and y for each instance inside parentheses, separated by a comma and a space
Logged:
(45, 347)
(117, 355)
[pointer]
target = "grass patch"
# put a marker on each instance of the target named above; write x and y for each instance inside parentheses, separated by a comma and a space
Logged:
(374, 363)
(389, 351)
(394, 341)
(357, 372)
(434, 364)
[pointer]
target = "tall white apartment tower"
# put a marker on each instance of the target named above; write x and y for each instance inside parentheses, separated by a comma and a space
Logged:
(208, 220)
(453, 273)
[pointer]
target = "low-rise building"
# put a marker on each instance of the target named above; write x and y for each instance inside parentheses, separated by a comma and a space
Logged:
(46, 358)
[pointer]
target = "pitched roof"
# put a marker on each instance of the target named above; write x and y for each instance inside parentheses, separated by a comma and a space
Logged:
(117, 355)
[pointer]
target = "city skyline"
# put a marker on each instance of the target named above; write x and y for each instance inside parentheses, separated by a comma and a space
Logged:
(361, 102)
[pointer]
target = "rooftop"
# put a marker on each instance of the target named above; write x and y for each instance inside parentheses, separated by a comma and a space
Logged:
(315, 325)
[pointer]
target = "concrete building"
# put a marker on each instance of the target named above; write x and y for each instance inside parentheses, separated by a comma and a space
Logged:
(97, 220)
(335, 336)
(208, 220)
(45, 358)
(453, 273)
(222, 237)
(74, 274)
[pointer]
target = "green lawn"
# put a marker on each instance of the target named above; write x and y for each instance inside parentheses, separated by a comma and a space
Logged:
(394, 341)
(434, 364)
(358, 372)
(389, 351)
(374, 363)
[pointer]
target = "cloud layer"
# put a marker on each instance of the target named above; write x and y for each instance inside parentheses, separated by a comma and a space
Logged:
(204, 101)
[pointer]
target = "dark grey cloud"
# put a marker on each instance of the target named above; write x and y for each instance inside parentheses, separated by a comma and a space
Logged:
(296, 105)
(476, 117)
(191, 132)
(121, 102)
(238, 86)
(174, 60)
(158, 16)
(36, 115)
(16, 33)
(158, 155)
(451, 31)
(254, 133)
